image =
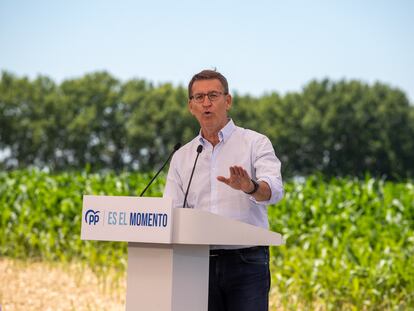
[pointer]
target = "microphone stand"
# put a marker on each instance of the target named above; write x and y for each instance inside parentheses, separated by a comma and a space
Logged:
(199, 149)
(176, 147)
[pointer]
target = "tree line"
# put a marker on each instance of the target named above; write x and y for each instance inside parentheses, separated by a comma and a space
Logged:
(337, 128)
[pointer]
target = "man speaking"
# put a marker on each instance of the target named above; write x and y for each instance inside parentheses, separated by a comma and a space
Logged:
(237, 175)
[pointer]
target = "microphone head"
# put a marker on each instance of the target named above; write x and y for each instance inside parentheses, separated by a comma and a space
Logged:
(177, 146)
(199, 148)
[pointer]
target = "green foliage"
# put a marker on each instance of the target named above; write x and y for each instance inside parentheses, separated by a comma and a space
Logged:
(349, 242)
(41, 214)
(337, 128)
(353, 128)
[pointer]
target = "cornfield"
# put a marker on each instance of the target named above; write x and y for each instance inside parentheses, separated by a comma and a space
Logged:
(349, 242)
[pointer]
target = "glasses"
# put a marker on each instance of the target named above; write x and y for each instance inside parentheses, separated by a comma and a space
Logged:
(212, 96)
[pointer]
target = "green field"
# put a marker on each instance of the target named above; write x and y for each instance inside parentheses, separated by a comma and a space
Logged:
(349, 242)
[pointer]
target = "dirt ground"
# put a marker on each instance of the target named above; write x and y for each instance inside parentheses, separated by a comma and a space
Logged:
(40, 286)
(43, 286)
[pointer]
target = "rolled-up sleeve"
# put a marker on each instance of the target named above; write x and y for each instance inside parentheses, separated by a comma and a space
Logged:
(268, 169)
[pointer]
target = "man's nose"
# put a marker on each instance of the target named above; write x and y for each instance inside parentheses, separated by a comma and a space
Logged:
(206, 101)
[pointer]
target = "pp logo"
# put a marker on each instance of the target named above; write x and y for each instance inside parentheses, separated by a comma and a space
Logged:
(92, 217)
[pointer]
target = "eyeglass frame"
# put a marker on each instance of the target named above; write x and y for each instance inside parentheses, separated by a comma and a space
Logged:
(208, 96)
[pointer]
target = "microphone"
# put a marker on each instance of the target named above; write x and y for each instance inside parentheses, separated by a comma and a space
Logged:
(199, 149)
(176, 147)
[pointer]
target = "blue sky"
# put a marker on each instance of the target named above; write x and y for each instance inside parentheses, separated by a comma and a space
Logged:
(261, 46)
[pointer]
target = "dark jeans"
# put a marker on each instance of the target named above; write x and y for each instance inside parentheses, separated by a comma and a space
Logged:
(239, 279)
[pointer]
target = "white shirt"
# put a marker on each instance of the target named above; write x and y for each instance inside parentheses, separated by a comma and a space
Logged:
(237, 146)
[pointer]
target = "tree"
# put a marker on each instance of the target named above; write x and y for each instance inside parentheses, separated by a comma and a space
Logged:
(337, 128)
(93, 130)
(158, 119)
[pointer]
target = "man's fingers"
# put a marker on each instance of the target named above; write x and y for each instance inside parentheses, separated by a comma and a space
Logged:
(223, 179)
(244, 173)
(236, 170)
(237, 174)
(240, 171)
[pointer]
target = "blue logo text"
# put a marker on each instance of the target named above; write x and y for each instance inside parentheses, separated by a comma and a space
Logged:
(91, 217)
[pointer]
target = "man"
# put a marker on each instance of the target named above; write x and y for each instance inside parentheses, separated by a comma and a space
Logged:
(239, 277)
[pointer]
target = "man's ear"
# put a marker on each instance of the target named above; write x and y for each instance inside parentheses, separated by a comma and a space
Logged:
(229, 102)
(190, 107)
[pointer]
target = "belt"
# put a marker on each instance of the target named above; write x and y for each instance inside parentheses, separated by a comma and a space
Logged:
(237, 251)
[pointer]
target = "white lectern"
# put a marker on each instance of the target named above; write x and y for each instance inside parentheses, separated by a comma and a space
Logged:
(168, 248)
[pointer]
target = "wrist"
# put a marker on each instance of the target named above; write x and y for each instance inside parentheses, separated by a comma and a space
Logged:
(255, 187)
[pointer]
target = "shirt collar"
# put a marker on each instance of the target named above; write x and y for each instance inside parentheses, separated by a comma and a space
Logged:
(223, 134)
(226, 131)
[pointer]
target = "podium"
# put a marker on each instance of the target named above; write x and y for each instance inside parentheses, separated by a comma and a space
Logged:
(168, 248)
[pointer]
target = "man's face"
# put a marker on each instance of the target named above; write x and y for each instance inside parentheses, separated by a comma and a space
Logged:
(211, 114)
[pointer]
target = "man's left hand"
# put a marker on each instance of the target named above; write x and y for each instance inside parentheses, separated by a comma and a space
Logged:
(239, 179)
